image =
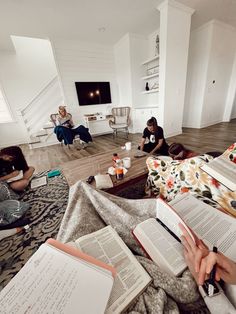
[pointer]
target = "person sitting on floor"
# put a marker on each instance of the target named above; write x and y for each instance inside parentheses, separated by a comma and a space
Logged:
(12, 161)
(178, 152)
(153, 140)
(65, 130)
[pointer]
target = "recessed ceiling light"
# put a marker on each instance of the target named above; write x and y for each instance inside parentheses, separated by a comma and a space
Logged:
(101, 29)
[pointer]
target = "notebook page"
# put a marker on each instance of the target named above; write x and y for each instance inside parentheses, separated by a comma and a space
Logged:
(52, 282)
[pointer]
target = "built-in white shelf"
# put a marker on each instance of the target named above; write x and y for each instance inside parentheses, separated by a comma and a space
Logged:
(154, 90)
(150, 60)
(149, 76)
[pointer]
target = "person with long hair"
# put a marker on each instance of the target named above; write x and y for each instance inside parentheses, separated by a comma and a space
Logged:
(153, 140)
(65, 130)
(179, 152)
(12, 161)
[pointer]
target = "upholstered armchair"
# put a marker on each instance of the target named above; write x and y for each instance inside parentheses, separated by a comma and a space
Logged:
(120, 120)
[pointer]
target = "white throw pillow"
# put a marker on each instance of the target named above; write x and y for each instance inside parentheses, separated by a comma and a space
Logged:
(121, 120)
(103, 181)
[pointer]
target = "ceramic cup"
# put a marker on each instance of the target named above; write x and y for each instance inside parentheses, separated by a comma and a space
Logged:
(127, 162)
(111, 171)
(128, 145)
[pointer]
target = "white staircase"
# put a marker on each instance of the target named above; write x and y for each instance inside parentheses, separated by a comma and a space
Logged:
(35, 117)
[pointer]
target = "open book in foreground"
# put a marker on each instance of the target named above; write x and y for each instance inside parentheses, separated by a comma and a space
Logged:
(131, 278)
(223, 170)
(160, 237)
(59, 279)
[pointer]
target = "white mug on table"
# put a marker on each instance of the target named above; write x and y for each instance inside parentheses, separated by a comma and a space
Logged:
(127, 162)
(128, 145)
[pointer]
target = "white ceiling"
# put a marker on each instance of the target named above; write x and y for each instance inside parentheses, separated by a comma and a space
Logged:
(81, 19)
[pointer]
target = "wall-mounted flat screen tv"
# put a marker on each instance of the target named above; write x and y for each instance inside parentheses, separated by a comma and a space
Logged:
(93, 93)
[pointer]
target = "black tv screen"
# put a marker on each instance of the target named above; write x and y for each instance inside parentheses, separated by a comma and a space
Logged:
(93, 93)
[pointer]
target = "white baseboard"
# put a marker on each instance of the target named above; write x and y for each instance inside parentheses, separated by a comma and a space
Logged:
(204, 125)
(2, 145)
(174, 133)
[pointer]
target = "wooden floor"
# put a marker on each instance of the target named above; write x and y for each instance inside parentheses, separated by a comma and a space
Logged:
(214, 138)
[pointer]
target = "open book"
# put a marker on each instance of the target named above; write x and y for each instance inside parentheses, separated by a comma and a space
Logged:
(223, 170)
(59, 279)
(160, 237)
(37, 182)
(131, 278)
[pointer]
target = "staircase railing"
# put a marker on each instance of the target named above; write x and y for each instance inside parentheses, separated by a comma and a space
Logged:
(38, 110)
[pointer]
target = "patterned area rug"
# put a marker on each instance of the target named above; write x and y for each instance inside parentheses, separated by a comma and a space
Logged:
(48, 204)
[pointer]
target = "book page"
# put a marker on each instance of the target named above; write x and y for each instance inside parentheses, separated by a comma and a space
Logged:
(131, 278)
(223, 170)
(35, 183)
(55, 282)
(170, 218)
(211, 225)
(161, 246)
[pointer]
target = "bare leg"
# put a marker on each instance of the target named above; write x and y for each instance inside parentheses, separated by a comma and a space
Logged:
(19, 185)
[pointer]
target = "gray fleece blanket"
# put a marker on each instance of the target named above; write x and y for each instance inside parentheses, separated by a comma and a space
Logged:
(89, 210)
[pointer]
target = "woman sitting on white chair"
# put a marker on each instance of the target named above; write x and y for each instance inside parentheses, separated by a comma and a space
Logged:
(64, 128)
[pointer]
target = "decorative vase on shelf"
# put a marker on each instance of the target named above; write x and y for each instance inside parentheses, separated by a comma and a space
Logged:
(147, 87)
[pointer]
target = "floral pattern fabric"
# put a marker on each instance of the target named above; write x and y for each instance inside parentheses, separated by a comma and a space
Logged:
(169, 178)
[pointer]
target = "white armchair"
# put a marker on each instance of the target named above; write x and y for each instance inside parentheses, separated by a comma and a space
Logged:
(120, 120)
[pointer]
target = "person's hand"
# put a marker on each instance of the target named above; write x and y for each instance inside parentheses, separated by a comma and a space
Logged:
(193, 252)
(225, 268)
(201, 261)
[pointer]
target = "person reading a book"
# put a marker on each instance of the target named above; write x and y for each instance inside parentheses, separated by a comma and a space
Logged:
(12, 161)
(153, 140)
(200, 260)
(65, 130)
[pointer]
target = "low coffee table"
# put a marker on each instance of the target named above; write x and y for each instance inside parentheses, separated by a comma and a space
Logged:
(81, 169)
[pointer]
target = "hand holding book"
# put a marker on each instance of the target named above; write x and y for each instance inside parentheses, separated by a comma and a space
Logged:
(193, 252)
(201, 261)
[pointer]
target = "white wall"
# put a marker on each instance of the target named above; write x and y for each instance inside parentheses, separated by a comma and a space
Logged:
(138, 53)
(199, 48)
(123, 70)
(22, 76)
(211, 58)
(79, 61)
(233, 113)
(174, 46)
(221, 60)
(229, 107)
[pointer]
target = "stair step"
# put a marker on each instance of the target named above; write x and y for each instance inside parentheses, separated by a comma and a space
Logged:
(34, 142)
(48, 127)
(39, 135)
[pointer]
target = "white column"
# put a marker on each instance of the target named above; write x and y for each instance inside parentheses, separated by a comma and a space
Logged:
(231, 94)
(175, 22)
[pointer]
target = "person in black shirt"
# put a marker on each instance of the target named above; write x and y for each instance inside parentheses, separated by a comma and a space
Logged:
(153, 140)
(12, 161)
